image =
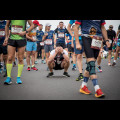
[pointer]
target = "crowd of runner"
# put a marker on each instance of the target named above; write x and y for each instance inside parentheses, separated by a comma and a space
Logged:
(25, 40)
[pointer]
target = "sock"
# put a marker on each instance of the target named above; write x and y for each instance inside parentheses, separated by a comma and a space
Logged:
(115, 61)
(28, 66)
(33, 65)
(20, 69)
(9, 69)
(85, 81)
(95, 83)
(81, 73)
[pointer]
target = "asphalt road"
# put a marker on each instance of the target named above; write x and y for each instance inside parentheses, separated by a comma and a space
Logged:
(36, 86)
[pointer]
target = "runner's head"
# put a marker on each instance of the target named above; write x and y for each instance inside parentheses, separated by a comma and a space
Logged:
(110, 27)
(47, 27)
(61, 24)
(40, 27)
(36, 23)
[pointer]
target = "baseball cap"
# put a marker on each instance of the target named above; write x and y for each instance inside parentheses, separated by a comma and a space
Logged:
(36, 22)
(48, 24)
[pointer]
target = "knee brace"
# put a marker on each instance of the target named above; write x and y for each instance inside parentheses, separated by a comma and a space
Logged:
(91, 67)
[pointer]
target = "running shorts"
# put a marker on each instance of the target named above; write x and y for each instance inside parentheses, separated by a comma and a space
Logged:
(90, 52)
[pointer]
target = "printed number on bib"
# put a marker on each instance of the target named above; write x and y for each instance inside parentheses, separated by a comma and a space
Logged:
(41, 43)
(2, 33)
(61, 35)
(96, 42)
(16, 29)
(48, 42)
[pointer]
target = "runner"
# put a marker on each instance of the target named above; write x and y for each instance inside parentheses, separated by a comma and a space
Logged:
(58, 60)
(31, 46)
(78, 53)
(111, 35)
(118, 46)
(61, 32)
(92, 31)
(71, 52)
(48, 39)
(40, 44)
(17, 40)
(3, 48)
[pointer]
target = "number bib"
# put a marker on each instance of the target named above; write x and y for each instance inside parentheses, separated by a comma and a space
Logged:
(41, 43)
(16, 29)
(2, 33)
(48, 42)
(96, 42)
(110, 41)
(61, 35)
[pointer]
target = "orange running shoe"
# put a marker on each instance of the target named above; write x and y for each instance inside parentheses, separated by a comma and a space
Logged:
(85, 90)
(99, 93)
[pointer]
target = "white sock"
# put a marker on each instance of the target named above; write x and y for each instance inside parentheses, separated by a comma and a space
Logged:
(96, 87)
(84, 83)
(115, 61)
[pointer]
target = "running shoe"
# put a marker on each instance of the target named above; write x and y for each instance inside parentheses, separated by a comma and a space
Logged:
(74, 68)
(28, 69)
(114, 64)
(85, 90)
(66, 74)
(34, 68)
(36, 62)
(99, 93)
(80, 77)
(50, 74)
(99, 69)
(18, 80)
(8, 81)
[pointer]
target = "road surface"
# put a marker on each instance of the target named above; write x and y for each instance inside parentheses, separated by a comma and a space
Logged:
(36, 86)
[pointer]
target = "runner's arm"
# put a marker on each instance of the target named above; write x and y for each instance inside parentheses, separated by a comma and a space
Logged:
(7, 29)
(104, 32)
(31, 25)
(52, 56)
(76, 33)
(69, 29)
(65, 55)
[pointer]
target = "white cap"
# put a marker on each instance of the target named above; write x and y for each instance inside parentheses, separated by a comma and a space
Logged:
(48, 24)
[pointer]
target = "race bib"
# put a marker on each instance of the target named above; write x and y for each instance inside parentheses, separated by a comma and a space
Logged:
(96, 42)
(110, 41)
(16, 29)
(61, 35)
(48, 42)
(2, 33)
(41, 43)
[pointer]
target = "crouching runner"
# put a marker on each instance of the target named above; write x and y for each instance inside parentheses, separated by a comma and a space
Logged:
(58, 60)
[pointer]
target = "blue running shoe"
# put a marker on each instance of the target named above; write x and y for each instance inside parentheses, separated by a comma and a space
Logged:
(19, 80)
(8, 81)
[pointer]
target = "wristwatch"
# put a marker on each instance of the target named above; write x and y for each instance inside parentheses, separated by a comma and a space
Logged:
(26, 31)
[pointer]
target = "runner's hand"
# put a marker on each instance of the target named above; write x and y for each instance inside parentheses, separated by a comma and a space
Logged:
(108, 44)
(5, 42)
(78, 46)
(22, 33)
(33, 40)
(56, 50)
(72, 45)
(61, 50)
